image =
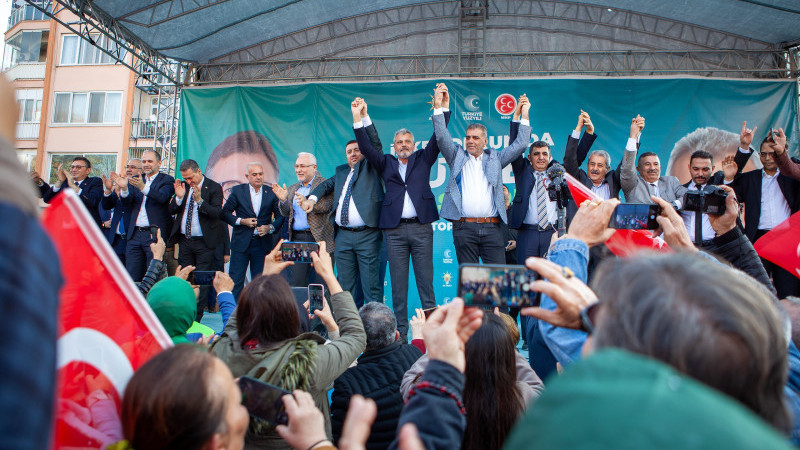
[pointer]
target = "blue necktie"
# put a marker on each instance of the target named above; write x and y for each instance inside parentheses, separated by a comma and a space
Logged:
(189, 212)
(346, 202)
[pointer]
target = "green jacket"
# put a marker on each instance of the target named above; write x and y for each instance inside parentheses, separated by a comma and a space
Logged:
(303, 362)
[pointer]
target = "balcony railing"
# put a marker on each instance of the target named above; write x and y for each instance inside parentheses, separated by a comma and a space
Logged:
(28, 12)
(28, 130)
(143, 129)
(26, 71)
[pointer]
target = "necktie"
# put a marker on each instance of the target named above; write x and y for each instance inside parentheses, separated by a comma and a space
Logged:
(541, 202)
(189, 213)
(654, 190)
(121, 227)
(346, 202)
(698, 222)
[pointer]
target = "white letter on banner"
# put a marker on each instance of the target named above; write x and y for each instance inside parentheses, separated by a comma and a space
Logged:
(496, 142)
(534, 137)
(546, 137)
(508, 174)
(441, 173)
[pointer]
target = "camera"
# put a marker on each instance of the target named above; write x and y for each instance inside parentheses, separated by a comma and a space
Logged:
(709, 200)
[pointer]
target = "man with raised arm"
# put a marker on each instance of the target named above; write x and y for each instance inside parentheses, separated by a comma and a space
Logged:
(598, 176)
(646, 180)
(408, 209)
(473, 200)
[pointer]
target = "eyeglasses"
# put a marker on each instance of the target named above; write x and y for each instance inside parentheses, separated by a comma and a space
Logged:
(74, 166)
(767, 154)
(132, 167)
(303, 166)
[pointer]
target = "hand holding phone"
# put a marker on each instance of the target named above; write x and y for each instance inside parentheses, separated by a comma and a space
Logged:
(316, 297)
(299, 252)
(202, 277)
(490, 285)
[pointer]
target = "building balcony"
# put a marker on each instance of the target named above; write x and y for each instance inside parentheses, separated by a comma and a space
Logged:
(27, 130)
(26, 71)
(143, 129)
(28, 12)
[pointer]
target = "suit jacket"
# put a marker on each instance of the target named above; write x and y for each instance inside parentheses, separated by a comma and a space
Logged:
(318, 219)
(574, 156)
(637, 190)
(240, 203)
(748, 191)
(161, 191)
(417, 182)
(788, 166)
(91, 194)
(367, 191)
(493, 163)
(208, 213)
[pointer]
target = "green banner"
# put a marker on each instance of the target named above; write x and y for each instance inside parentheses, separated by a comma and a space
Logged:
(316, 118)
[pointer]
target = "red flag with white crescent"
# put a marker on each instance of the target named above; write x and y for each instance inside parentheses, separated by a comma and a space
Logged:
(106, 328)
(622, 242)
(781, 245)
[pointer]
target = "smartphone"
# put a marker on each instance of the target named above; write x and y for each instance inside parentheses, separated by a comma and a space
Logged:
(201, 277)
(635, 216)
(154, 233)
(489, 285)
(299, 252)
(263, 400)
(316, 297)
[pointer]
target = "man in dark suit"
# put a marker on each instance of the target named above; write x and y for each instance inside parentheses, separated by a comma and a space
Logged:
(147, 198)
(769, 198)
(408, 210)
(358, 195)
(197, 228)
(254, 204)
(89, 189)
(117, 228)
(701, 168)
(598, 175)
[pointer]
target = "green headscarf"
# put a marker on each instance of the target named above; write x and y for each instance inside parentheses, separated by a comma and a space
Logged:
(175, 305)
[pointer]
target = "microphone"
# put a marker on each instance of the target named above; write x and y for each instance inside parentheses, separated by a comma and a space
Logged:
(555, 171)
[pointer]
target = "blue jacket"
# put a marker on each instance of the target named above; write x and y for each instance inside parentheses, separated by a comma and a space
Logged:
(240, 203)
(157, 206)
(493, 163)
(417, 182)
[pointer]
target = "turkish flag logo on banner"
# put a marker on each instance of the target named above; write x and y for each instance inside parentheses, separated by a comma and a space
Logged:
(106, 329)
(622, 242)
(782, 245)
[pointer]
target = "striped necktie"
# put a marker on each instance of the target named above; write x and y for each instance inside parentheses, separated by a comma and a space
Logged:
(541, 201)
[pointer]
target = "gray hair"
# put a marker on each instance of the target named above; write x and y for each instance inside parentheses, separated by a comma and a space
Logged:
(309, 156)
(135, 159)
(602, 153)
(478, 126)
(720, 143)
(404, 131)
(380, 324)
(253, 163)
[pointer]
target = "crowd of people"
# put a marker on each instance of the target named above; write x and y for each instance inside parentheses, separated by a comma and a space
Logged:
(687, 349)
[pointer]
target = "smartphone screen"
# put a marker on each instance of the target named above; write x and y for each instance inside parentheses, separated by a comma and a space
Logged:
(316, 294)
(489, 285)
(429, 311)
(154, 233)
(635, 216)
(299, 252)
(263, 400)
(201, 277)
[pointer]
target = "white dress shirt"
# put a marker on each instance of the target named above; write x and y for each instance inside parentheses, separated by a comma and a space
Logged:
(408, 206)
(774, 208)
(477, 194)
(688, 220)
(196, 230)
(354, 218)
(255, 200)
(532, 216)
(141, 219)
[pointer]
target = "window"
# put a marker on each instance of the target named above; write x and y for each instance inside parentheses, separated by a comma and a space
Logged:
(30, 104)
(87, 107)
(102, 163)
(26, 46)
(76, 50)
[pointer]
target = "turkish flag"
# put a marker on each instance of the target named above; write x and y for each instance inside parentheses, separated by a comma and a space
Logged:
(106, 328)
(782, 245)
(622, 242)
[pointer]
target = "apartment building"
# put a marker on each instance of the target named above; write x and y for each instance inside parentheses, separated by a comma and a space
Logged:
(73, 99)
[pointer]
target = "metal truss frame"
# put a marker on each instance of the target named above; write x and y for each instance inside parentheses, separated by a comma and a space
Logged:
(722, 63)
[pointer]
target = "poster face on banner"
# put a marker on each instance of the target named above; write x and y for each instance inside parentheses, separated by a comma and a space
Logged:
(288, 119)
